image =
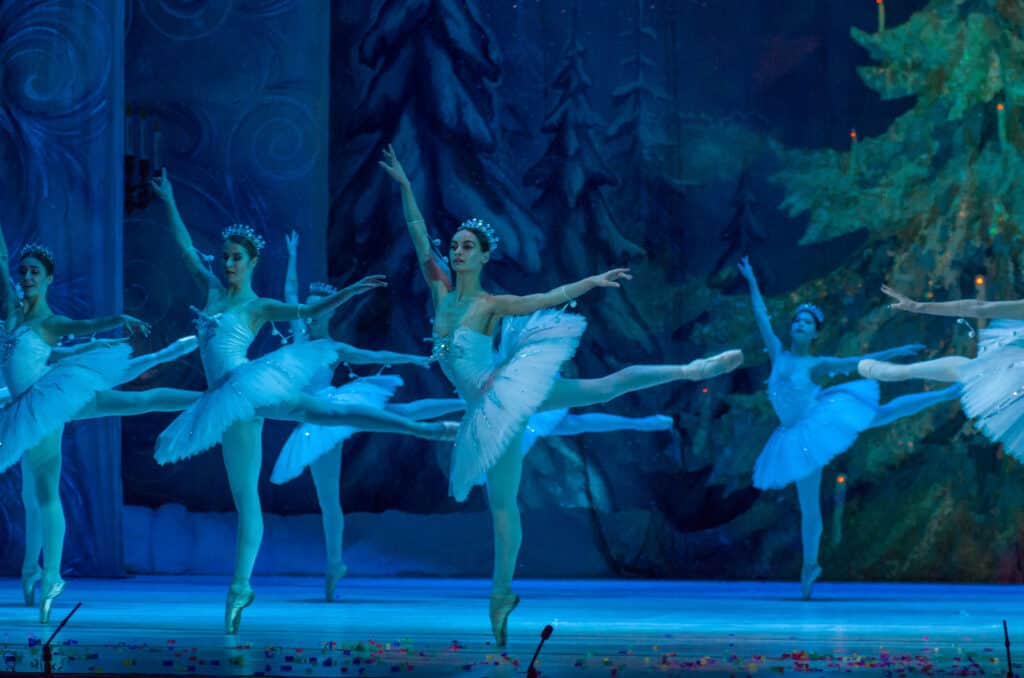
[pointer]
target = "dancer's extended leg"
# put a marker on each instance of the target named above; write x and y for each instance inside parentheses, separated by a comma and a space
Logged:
(941, 369)
(904, 406)
(428, 408)
(599, 422)
(128, 403)
(313, 410)
(570, 393)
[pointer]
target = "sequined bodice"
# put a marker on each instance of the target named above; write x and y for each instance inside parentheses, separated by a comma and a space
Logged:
(792, 393)
(23, 356)
(224, 340)
(467, 358)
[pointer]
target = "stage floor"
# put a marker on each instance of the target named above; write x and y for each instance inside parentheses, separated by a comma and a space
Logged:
(439, 627)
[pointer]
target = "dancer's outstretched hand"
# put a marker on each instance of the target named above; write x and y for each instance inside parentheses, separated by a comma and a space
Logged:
(902, 303)
(134, 325)
(393, 167)
(162, 186)
(746, 270)
(367, 284)
(291, 241)
(611, 278)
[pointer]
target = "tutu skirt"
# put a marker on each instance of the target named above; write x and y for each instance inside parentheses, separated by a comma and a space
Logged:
(309, 442)
(993, 385)
(256, 386)
(828, 428)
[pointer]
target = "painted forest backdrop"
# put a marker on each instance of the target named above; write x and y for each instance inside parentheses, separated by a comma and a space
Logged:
(673, 137)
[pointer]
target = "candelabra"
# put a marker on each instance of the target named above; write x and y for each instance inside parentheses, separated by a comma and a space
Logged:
(142, 155)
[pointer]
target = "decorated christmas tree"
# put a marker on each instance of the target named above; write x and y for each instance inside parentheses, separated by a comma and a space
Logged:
(931, 207)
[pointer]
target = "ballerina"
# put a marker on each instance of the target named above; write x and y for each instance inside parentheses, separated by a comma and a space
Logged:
(817, 425)
(319, 447)
(242, 393)
(991, 383)
(500, 397)
(44, 397)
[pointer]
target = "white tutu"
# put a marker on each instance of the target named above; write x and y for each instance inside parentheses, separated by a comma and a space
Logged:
(271, 381)
(49, 396)
(309, 442)
(502, 390)
(993, 384)
(828, 428)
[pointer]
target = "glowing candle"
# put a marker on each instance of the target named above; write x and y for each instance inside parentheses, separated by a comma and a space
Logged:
(853, 149)
(839, 506)
(1001, 120)
(881, 15)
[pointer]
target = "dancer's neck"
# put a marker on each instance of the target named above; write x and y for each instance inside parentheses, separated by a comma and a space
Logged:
(800, 349)
(35, 308)
(240, 292)
(467, 285)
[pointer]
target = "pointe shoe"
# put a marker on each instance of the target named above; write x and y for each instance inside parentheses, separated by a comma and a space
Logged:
(502, 605)
(334, 574)
(237, 601)
(880, 370)
(48, 590)
(179, 348)
(444, 431)
(807, 579)
(717, 365)
(28, 586)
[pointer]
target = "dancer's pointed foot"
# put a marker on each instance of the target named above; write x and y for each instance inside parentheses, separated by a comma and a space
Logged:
(334, 574)
(239, 598)
(49, 589)
(28, 585)
(807, 578)
(181, 347)
(708, 368)
(502, 605)
(445, 431)
(880, 370)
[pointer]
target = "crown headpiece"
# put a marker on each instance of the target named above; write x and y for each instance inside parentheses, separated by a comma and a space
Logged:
(813, 310)
(482, 227)
(244, 231)
(34, 249)
(322, 289)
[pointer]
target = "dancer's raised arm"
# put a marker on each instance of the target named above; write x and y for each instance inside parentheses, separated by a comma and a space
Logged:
(193, 260)
(58, 326)
(291, 283)
(830, 365)
(10, 296)
(510, 304)
(764, 321)
(963, 308)
(437, 280)
(272, 310)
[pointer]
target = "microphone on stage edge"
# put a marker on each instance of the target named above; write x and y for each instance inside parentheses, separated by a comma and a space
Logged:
(1009, 660)
(531, 672)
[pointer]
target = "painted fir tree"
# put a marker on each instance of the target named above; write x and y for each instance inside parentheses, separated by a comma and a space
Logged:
(432, 93)
(571, 177)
